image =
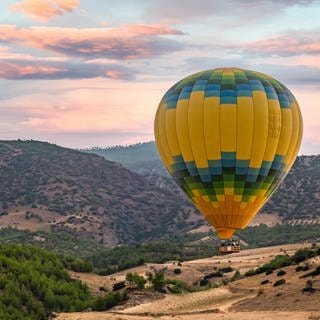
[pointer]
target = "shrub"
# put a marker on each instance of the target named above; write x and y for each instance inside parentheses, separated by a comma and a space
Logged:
(157, 280)
(281, 273)
(108, 301)
(250, 273)
(277, 263)
(177, 286)
(302, 255)
(118, 285)
(216, 274)
(177, 271)
(226, 269)
(302, 268)
(269, 272)
(203, 282)
(316, 272)
(175, 289)
(236, 276)
(265, 281)
(136, 280)
(279, 282)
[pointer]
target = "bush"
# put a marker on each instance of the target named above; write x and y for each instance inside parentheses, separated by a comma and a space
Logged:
(269, 272)
(302, 268)
(177, 271)
(175, 289)
(136, 280)
(118, 286)
(157, 280)
(216, 274)
(302, 255)
(279, 282)
(250, 273)
(203, 282)
(226, 269)
(236, 276)
(281, 273)
(277, 263)
(108, 301)
(313, 273)
(265, 282)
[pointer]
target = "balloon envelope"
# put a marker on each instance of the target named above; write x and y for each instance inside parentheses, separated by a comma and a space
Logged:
(228, 137)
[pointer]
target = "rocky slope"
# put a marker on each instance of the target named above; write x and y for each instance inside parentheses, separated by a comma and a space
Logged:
(43, 186)
(297, 198)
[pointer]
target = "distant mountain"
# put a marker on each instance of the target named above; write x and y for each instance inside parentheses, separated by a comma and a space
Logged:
(141, 157)
(298, 197)
(54, 189)
(47, 187)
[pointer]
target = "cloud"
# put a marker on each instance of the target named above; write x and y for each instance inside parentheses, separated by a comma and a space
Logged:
(288, 74)
(53, 70)
(291, 43)
(128, 42)
(177, 11)
(87, 110)
(45, 9)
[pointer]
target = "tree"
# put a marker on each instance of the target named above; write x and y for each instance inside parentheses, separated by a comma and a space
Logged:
(136, 280)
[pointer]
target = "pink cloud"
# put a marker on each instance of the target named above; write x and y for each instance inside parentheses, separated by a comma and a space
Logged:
(292, 43)
(88, 106)
(45, 9)
(19, 69)
(127, 42)
(14, 71)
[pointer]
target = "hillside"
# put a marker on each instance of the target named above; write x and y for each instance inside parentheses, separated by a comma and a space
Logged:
(298, 197)
(35, 282)
(281, 282)
(47, 187)
(141, 157)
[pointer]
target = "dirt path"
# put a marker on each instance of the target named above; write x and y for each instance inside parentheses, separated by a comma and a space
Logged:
(209, 300)
(272, 315)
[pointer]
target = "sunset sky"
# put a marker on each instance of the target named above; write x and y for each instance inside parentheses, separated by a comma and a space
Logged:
(83, 73)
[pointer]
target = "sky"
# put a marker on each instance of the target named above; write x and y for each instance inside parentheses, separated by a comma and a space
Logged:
(83, 73)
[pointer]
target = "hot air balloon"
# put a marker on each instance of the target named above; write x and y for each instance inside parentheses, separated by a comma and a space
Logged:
(228, 137)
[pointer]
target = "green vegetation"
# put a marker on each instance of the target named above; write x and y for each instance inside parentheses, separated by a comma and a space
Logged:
(107, 261)
(136, 280)
(124, 257)
(264, 236)
(236, 276)
(80, 193)
(281, 273)
(59, 241)
(157, 280)
(177, 271)
(316, 272)
(134, 157)
(108, 301)
(302, 268)
(34, 283)
(281, 261)
(279, 282)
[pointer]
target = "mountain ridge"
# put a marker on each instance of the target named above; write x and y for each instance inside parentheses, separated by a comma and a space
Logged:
(53, 188)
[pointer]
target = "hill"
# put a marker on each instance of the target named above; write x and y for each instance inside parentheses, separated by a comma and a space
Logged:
(47, 187)
(141, 157)
(34, 283)
(281, 282)
(53, 189)
(296, 200)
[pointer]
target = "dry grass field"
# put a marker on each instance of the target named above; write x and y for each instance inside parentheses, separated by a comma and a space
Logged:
(244, 299)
